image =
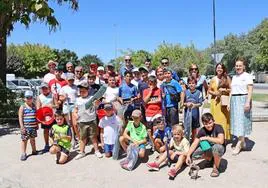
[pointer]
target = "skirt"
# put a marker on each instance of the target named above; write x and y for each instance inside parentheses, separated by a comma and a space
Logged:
(241, 121)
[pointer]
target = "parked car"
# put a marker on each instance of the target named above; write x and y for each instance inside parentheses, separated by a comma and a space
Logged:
(24, 84)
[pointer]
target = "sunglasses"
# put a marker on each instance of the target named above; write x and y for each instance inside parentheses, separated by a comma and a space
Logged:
(158, 122)
(78, 71)
(127, 59)
(164, 63)
(191, 69)
(28, 97)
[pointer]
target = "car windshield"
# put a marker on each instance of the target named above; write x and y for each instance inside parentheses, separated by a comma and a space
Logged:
(35, 82)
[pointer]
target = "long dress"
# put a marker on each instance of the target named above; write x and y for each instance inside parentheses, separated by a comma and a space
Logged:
(220, 113)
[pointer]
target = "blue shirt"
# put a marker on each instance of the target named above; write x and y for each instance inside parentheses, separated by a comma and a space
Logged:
(172, 91)
(175, 76)
(141, 87)
(123, 69)
(196, 98)
(166, 133)
(127, 91)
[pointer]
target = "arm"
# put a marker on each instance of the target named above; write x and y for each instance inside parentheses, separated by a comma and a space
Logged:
(218, 140)
(125, 134)
(191, 150)
(205, 84)
(20, 113)
(249, 98)
(38, 103)
(146, 98)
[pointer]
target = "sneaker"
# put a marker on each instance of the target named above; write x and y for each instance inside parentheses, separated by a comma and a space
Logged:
(238, 148)
(46, 149)
(98, 154)
(153, 166)
(80, 155)
(149, 146)
(75, 144)
(172, 172)
(23, 157)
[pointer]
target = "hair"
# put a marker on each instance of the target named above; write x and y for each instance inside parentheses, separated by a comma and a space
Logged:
(195, 66)
(177, 127)
(206, 117)
(91, 76)
(242, 59)
(59, 114)
(191, 78)
(164, 58)
(153, 79)
(147, 60)
(127, 72)
(157, 69)
(78, 67)
(223, 81)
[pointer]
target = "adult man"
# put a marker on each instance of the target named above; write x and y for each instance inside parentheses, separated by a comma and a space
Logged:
(148, 64)
(165, 63)
(69, 69)
(51, 65)
(127, 67)
(79, 75)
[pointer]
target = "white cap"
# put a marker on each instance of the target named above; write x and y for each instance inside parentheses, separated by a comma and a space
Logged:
(100, 68)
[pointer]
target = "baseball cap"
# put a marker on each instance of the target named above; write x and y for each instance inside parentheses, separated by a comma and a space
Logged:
(143, 68)
(108, 106)
(110, 65)
(70, 76)
(28, 93)
(135, 70)
(136, 113)
(92, 64)
(44, 84)
(59, 68)
(167, 70)
(100, 68)
(83, 85)
(50, 62)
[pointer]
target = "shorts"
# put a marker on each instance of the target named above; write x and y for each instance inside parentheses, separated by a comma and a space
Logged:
(30, 132)
(48, 126)
(87, 129)
(141, 146)
(215, 149)
(63, 150)
(67, 109)
(108, 148)
(151, 120)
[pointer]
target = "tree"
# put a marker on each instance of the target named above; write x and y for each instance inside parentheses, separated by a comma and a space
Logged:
(87, 59)
(64, 56)
(14, 60)
(25, 12)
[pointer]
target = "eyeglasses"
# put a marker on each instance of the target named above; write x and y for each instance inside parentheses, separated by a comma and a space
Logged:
(28, 97)
(158, 122)
(164, 63)
(127, 60)
(191, 69)
(78, 71)
(69, 67)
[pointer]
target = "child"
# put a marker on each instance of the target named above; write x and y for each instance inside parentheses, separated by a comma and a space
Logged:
(61, 136)
(45, 99)
(192, 99)
(214, 135)
(179, 147)
(112, 93)
(161, 135)
(86, 119)
(135, 133)
(28, 124)
(110, 124)
(171, 91)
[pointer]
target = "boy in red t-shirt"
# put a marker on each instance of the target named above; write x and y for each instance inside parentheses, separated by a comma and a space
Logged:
(152, 101)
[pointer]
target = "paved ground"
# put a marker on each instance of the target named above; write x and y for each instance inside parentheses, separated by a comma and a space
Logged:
(248, 169)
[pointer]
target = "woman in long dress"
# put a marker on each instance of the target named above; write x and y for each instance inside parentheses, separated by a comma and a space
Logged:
(219, 89)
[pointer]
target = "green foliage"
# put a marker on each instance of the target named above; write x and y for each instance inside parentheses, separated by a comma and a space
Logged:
(64, 56)
(33, 59)
(87, 59)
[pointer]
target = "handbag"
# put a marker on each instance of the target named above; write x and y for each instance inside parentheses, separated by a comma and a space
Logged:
(224, 100)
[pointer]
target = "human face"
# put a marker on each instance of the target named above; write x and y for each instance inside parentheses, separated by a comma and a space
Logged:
(167, 75)
(83, 92)
(60, 120)
(239, 67)
(148, 64)
(192, 85)
(91, 81)
(111, 82)
(52, 67)
(69, 68)
(194, 71)
(177, 135)
(58, 74)
(100, 72)
(128, 61)
(128, 78)
(29, 100)
(219, 70)
(160, 125)
(209, 125)
(136, 75)
(160, 74)
(144, 75)
(109, 112)
(70, 82)
(152, 84)
(136, 120)
(45, 90)
(78, 73)
(165, 63)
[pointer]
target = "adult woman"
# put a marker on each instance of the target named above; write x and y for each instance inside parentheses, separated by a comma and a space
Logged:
(219, 89)
(240, 105)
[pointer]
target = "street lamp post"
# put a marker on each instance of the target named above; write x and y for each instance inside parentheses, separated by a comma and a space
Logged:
(214, 32)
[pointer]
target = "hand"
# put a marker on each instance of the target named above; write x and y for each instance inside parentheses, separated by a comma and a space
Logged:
(97, 103)
(247, 107)
(203, 138)
(136, 143)
(22, 130)
(188, 160)
(165, 139)
(228, 107)
(102, 146)
(222, 89)
(218, 93)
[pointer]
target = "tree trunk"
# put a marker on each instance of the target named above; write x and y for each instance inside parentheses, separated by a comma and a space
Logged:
(3, 57)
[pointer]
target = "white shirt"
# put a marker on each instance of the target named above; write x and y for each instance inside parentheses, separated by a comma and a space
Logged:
(49, 76)
(111, 94)
(135, 82)
(240, 82)
(85, 115)
(45, 100)
(151, 73)
(70, 92)
(78, 81)
(111, 126)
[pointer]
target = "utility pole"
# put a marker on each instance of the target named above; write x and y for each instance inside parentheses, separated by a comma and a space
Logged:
(214, 32)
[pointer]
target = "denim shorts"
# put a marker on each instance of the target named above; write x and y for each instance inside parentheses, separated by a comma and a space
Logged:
(108, 148)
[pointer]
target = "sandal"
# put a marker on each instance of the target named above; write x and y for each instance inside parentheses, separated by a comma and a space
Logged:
(215, 173)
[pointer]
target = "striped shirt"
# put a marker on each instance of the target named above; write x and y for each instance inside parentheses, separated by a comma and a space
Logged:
(29, 117)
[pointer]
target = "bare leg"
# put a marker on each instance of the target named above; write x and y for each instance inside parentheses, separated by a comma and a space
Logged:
(63, 158)
(23, 146)
(123, 141)
(46, 131)
(32, 141)
(82, 145)
(142, 153)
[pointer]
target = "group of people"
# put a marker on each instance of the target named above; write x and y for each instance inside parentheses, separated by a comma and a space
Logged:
(140, 107)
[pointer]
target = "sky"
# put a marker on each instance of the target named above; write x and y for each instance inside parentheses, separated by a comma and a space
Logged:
(106, 27)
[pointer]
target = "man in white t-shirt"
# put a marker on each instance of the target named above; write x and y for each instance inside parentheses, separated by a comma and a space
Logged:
(51, 65)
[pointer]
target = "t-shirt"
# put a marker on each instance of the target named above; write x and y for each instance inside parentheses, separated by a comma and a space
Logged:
(55, 85)
(111, 94)
(171, 90)
(70, 92)
(127, 91)
(136, 133)
(142, 86)
(79, 81)
(200, 81)
(153, 109)
(85, 115)
(240, 82)
(49, 76)
(62, 130)
(166, 133)
(217, 129)
(45, 99)
(111, 126)
(135, 82)
(183, 146)
(151, 72)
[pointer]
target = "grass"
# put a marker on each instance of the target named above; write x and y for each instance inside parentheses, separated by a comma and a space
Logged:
(260, 97)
